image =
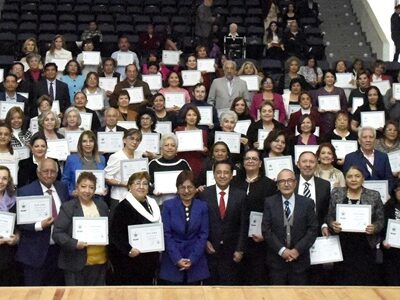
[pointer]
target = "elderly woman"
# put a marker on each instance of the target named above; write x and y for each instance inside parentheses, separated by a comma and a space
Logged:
(29, 47)
(358, 248)
(71, 121)
(291, 72)
(35, 68)
(326, 156)
(342, 130)
(185, 220)
(83, 264)
(162, 115)
(80, 102)
(15, 119)
(390, 141)
(131, 267)
(125, 113)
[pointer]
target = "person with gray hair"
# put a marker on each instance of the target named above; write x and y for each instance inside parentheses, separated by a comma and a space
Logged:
(71, 121)
(49, 123)
(224, 90)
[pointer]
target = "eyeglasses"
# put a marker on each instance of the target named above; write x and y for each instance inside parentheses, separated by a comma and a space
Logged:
(251, 159)
(141, 183)
(286, 181)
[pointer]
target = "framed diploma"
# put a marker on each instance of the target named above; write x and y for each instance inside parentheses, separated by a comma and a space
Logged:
(232, 139)
(165, 182)
(153, 80)
(220, 111)
(95, 101)
(344, 147)
(299, 149)
(381, 186)
(191, 77)
(163, 127)
(124, 58)
(60, 62)
(343, 80)
(273, 165)
(174, 99)
(147, 237)
(357, 102)
(293, 108)
(108, 83)
(262, 135)
(57, 149)
(131, 166)
(353, 218)
(206, 115)
(242, 126)
(326, 250)
(135, 94)
(22, 152)
(7, 223)
(396, 91)
(13, 167)
(251, 81)
(394, 159)
(190, 140)
(393, 233)
(91, 58)
(32, 209)
(5, 106)
(210, 180)
(72, 138)
(375, 119)
(329, 102)
(255, 221)
(33, 125)
(206, 65)
(100, 179)
(170, 57)
(150, 142)
(86, 120)
(383, 86)
(55, 107)
(110, 142)
(127, 124)
(93, 231)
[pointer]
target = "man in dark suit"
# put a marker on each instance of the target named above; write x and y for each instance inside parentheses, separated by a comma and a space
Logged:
(228, 226)
(289, 227)
(111, 118)
(10, 91)
(51, 86)
(37, 251)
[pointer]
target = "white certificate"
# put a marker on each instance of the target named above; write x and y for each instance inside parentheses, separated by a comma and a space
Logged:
(163, 127)
(394, 159)
(1, 75)
(344, 147)
(22, 152)
(375, 119)
(108, 83)
(251, 81)
(396, 91)
(326, 250)
(232, 139)
(127, 124)
(190, 140)
(110, 142)
(261, 136)
(72, 138)
(7, 222)
(95, 101)
(61, 63)
(273, 165)
(93, 231)
(57, 149)
(32, 209)
(147, 237)
(170, 57)
(153, 80)
(381, 186)
(100, 179)
(353, 218)
(33, 125)
(13, 167)
(5, 106)
(206, 65)
(91, 58)
(294, 108)
(210, 179)
(150, 142)
(255, 221)
(242, 126)
(165, 182)
(174, 99)
(124, 58)
(357, 102)
(383, 85)
(206, 115)
(299, 149)
(393, 233)
(86, 120)
(329, 102)
(136, 94)
(343, 80)
(131, 166)
(190, 77)
(55, 107)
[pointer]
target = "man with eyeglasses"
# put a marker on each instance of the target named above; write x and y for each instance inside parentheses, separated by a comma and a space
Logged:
(37, 251)
(289, 228)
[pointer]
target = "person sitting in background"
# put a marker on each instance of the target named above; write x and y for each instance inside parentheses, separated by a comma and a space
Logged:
(295, 41)
(273, 40)
(35, 70)
(29, 47)
(378, 72)
(292, 67)
(311, 72)
(87, 46)
(93, 33)
(149, 41)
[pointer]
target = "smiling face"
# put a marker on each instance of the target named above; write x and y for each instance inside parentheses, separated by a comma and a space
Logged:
(50, 73)
(267, 113)
(341, 67)
(278, 145)
(307, 164)
(326, 156)
(286, 183)
(220, 152)
(391, 132)
(108, 67)
(132, 142)
(16, 121)
(187, 191)
(87, 145)
(294, 66)
(240, 107)
(191, 63)
(146, 122)
(159, 103)
(10, 84)
(268, 85)
(329, 79)
(354, 179)
(111, 117)
(251, 161)
(229, 70)
(296, 88)
(191, 118)
(342, 122)
(39, 148)
(305, 101)
(58, 43)
(169, 149)
(200, 93)
(228, 124)
(202, 52)
(72, 119)
(306, 126)
(173, 80)
(80, 100)
(139, 188)
(34, 63)
(49, 122)
(4, 179)
(223, 175)
(5, 137)
(48, 172)
(85, 190)
(367, 140)
(72, 68)
(29, 47)
(248, 70)
(363, 81)
(373, 97)
(123, 101)
(92, 81)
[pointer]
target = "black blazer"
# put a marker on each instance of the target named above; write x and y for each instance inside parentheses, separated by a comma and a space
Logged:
(115, 74)
(62, 94)
(119, 128)
(27, 171)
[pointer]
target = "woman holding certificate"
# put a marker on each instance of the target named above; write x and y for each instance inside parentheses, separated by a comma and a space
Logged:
(162, 115)
(131, 266)
(84, 262)
(125, 113)
(80, 102)
(358, 224)
(174, 85)
(8, 239)
(6, 149)
(99, 101)
(306, 128)
(15, 119)
(342, 130)
(73, 77)
(49, 123)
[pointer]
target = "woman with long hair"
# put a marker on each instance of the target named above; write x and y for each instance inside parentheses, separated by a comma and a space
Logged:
(57, 50)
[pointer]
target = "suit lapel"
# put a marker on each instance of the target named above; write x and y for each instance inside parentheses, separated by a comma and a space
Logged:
(214, 200)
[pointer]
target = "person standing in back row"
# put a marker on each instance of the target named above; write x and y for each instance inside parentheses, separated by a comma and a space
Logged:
(395, 30)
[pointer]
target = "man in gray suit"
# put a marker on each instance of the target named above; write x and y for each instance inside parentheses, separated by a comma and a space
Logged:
(224, 90)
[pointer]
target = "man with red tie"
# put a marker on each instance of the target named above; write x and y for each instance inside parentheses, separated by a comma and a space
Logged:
(228, 226)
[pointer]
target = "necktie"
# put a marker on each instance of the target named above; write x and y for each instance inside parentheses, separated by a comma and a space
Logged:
(53, 204)
(51, 91)
(222, 205)
(287, 209)
(307, 192)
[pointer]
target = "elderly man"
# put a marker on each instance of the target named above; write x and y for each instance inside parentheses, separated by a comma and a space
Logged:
(224, 90)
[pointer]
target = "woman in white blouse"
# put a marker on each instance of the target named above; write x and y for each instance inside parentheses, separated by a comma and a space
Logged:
(57, 50)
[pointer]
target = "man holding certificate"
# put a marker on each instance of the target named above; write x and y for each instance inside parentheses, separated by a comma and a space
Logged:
(37, 251)
(83, 255)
